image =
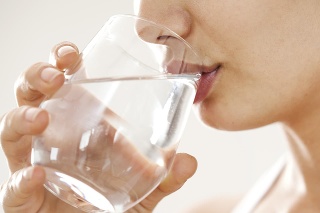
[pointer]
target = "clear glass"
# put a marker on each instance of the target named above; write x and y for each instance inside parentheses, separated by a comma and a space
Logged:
(116, 123)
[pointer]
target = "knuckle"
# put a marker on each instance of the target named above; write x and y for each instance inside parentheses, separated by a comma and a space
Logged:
(25, 86)
(13, 186)
(3, 193)
(5, 124)
(9, 124)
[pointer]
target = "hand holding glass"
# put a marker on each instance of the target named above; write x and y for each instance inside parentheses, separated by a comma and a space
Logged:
(116, 123)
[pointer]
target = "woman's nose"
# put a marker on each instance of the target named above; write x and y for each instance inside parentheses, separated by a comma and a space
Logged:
(168, 13)
(175, 54)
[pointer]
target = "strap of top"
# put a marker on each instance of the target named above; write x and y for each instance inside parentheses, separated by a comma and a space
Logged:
(260, 188)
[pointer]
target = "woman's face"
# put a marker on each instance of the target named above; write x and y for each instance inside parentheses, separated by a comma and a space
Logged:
(267, 51)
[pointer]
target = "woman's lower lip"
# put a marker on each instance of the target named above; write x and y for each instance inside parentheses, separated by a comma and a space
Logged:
(204, 85)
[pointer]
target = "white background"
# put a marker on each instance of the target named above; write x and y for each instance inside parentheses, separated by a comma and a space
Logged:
(229, 162)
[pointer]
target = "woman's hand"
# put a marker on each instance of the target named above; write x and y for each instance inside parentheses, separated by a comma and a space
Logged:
(24, 190)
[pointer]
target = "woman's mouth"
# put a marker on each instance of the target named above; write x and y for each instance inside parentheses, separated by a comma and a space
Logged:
(206, 80)
(205, 84)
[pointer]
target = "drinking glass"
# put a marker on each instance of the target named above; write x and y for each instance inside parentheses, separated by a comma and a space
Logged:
(116, 122)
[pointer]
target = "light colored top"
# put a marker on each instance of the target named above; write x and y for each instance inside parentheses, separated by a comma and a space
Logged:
(260, 188)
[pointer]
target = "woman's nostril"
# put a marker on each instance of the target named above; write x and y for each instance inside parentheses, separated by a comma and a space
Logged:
(151, 34)
(163, 37)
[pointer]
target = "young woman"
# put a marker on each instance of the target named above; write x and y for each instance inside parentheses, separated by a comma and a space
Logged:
(262, 60)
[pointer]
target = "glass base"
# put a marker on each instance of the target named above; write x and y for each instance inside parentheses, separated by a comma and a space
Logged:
(76, 193)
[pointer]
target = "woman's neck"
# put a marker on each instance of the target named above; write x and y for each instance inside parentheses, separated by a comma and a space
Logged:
(304, 146)
(298, 185)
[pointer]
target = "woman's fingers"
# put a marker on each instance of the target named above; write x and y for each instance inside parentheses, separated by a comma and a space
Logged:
(24, 191)
(43, 79)
(64, 56)
(16, 129)
(40, 80)
(183, 168)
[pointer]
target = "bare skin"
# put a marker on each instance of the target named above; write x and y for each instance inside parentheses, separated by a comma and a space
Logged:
(268, 53)
(24, 190)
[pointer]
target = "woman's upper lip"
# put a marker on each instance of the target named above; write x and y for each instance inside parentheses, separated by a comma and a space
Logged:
(211, 68)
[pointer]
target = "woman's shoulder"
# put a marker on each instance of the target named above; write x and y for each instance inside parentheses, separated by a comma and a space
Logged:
(246, 202)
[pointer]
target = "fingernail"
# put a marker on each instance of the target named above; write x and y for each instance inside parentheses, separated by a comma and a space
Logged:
(31, 114)
(65, 50)
(27, 173)
(49, 73)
